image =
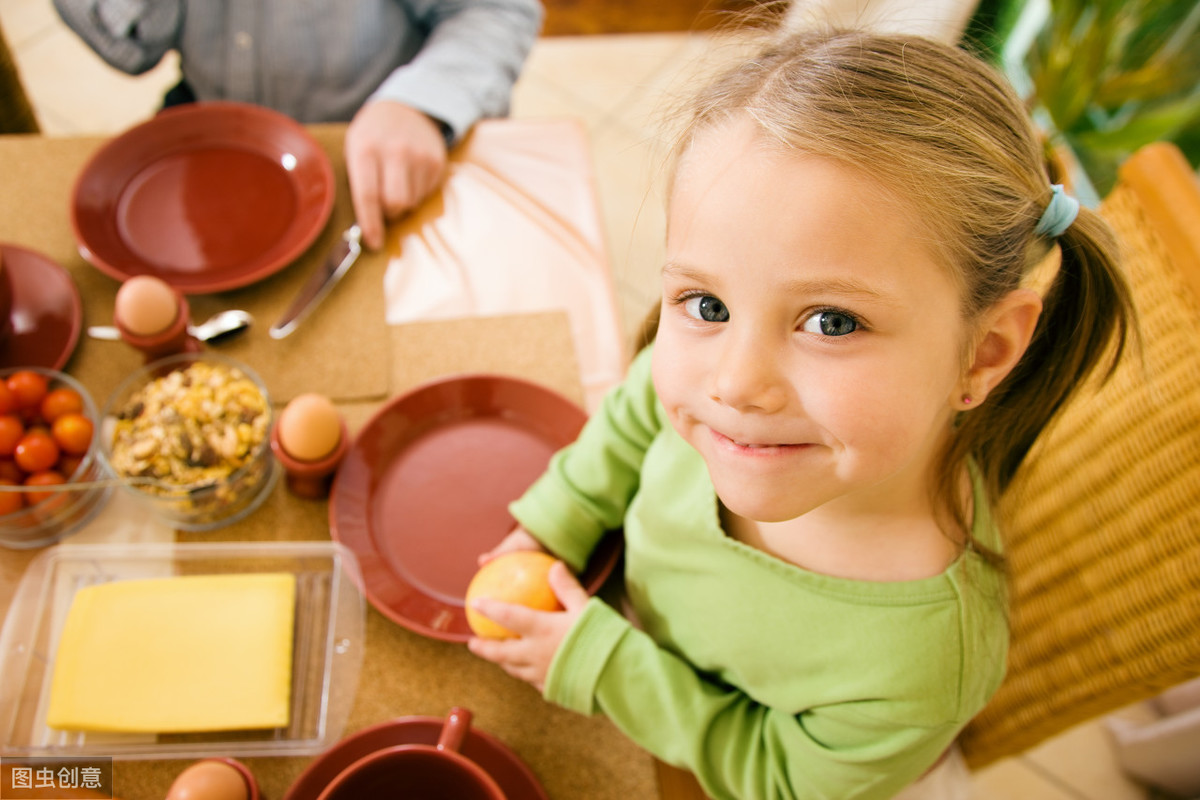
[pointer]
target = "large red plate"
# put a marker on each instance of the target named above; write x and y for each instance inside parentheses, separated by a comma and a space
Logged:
(207, 196)
(425, 488)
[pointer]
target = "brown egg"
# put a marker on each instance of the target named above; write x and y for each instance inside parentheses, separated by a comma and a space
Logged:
(209, 780)
(310, 427)
(146, 305)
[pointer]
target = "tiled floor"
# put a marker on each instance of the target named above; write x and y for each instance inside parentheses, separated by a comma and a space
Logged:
(617, 85)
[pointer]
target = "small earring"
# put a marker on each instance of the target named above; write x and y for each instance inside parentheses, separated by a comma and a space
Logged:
(967, 400)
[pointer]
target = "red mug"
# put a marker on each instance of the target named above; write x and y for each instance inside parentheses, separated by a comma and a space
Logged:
(418, 771)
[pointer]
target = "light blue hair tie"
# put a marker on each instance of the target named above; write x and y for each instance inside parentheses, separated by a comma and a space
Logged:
(1059, 214)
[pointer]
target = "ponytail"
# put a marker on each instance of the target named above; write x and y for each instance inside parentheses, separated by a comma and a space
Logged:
(1087, 317)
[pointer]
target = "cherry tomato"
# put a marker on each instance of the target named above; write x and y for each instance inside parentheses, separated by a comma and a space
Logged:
(44, 478)
(68, 464)
(73, 433)
(10, 502)
(9, 471)
(30, 388)
(62, 400)
(37, 451)
(11, 431)
(8, 400)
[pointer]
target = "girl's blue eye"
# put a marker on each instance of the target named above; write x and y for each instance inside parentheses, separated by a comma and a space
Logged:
(706, 307)
(830, 323)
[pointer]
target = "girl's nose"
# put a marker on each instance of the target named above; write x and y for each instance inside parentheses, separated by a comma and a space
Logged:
(746, 378)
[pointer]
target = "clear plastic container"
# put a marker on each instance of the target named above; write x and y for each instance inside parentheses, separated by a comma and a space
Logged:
(327, 648)
(193, 503)
(66, 511)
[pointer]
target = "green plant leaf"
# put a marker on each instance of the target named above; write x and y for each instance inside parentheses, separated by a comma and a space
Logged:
(1114, 75)
(1161, 123)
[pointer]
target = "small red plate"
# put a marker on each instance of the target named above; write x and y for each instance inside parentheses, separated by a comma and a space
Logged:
(425, 488)
(496, 759)
(47, 312)
(206, 196)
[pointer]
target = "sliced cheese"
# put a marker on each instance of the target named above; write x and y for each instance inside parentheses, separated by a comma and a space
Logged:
(182, 654)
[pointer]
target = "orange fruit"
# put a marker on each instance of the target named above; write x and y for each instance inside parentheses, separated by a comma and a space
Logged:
(520, 577)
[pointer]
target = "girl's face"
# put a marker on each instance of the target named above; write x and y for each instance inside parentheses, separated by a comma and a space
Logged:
(810, 347)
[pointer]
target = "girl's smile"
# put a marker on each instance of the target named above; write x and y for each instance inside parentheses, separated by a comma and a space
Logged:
(757, 449)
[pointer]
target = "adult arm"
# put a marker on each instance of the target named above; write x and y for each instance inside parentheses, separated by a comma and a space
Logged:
(396, 146)
(130, 35)
(472, 57)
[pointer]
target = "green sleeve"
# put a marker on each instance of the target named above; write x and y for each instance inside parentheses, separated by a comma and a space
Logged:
(589, 484)
(736, 747)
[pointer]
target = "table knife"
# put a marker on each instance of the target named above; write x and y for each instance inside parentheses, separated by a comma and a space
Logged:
(339, 260)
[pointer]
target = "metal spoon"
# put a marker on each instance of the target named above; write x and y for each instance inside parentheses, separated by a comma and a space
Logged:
(222, 325)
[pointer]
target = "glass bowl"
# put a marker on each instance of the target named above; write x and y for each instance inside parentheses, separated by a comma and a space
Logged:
(327, 649)
(62, 512)
(189, 435)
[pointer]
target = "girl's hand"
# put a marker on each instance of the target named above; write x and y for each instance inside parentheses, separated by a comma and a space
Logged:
(519, 539)
(541, 632)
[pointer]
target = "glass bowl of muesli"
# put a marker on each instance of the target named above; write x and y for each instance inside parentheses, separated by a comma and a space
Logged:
(190, 435)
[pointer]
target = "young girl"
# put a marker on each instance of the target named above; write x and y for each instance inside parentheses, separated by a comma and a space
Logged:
(849, 369)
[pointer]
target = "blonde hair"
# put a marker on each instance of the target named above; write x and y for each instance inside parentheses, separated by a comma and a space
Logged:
(945, 131)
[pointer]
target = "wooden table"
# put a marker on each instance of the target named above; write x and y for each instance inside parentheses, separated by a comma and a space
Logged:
(575, 757)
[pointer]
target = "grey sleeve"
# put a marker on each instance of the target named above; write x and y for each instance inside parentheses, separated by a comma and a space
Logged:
(472, 58)
(130, 35)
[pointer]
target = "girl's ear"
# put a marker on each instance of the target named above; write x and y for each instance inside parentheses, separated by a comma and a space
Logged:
(1002, 338)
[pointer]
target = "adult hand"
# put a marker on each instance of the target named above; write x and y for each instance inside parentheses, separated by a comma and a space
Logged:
(395, 156)
(540, 632)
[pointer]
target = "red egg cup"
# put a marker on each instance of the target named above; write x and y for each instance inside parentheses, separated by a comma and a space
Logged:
(311, 479)
(244, 771)
(168, 342)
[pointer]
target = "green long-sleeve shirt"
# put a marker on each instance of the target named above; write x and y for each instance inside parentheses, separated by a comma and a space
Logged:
(764, 679)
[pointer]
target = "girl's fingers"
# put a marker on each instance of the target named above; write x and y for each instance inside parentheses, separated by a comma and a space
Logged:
(510, 655)
(489, 649)
(518, 619)
(519, 539)
(567, 587)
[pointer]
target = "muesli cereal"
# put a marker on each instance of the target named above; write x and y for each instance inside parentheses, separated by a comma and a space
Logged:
(191, 428)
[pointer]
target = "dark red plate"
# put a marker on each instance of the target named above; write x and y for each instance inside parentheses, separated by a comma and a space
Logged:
(47, 312)
(425, 488)
(508, 770)
(206, 196)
